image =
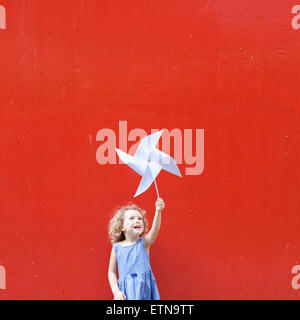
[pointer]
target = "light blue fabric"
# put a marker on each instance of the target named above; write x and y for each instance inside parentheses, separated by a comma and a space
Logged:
(136, 279)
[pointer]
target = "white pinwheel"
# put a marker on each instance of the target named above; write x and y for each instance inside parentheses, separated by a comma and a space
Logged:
(148, 162)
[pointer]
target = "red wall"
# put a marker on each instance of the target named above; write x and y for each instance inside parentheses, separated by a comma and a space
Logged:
(72, 67)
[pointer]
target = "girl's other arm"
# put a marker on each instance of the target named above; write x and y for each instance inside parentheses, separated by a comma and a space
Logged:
(112, 277)
(153, 233)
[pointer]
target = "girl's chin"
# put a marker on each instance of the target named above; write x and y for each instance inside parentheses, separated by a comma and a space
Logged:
(139, 232)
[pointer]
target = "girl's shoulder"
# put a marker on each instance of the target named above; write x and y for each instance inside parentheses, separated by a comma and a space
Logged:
(119, 242)
(115, 247)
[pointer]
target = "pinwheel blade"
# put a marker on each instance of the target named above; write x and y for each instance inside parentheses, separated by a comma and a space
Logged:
(167, 163)
(149, 176)
(138, 166)
(146, 145)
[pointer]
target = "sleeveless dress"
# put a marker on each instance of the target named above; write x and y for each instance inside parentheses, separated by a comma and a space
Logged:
(136, 279)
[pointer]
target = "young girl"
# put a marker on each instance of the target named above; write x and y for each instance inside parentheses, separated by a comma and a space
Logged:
(130, 253)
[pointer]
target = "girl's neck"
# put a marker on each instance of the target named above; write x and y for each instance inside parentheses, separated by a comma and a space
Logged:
(130, 240)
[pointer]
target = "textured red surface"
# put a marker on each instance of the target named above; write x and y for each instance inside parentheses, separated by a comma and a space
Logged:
(72, 67)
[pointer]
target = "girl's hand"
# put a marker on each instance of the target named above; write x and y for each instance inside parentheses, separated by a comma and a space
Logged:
(120, 296)
(160, 205)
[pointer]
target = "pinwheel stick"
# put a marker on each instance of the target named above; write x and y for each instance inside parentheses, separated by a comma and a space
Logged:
(156, 188)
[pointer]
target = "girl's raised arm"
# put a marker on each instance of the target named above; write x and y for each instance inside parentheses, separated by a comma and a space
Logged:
(153, 233)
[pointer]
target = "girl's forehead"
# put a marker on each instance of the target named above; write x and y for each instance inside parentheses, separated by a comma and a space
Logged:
(132, 212)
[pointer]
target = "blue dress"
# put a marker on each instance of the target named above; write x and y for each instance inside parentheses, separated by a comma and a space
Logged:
(136, 279)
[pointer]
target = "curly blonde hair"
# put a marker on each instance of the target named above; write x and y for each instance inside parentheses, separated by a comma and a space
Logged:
(116, 223)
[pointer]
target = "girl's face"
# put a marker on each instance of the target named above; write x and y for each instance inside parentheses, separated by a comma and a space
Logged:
(133, 222)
